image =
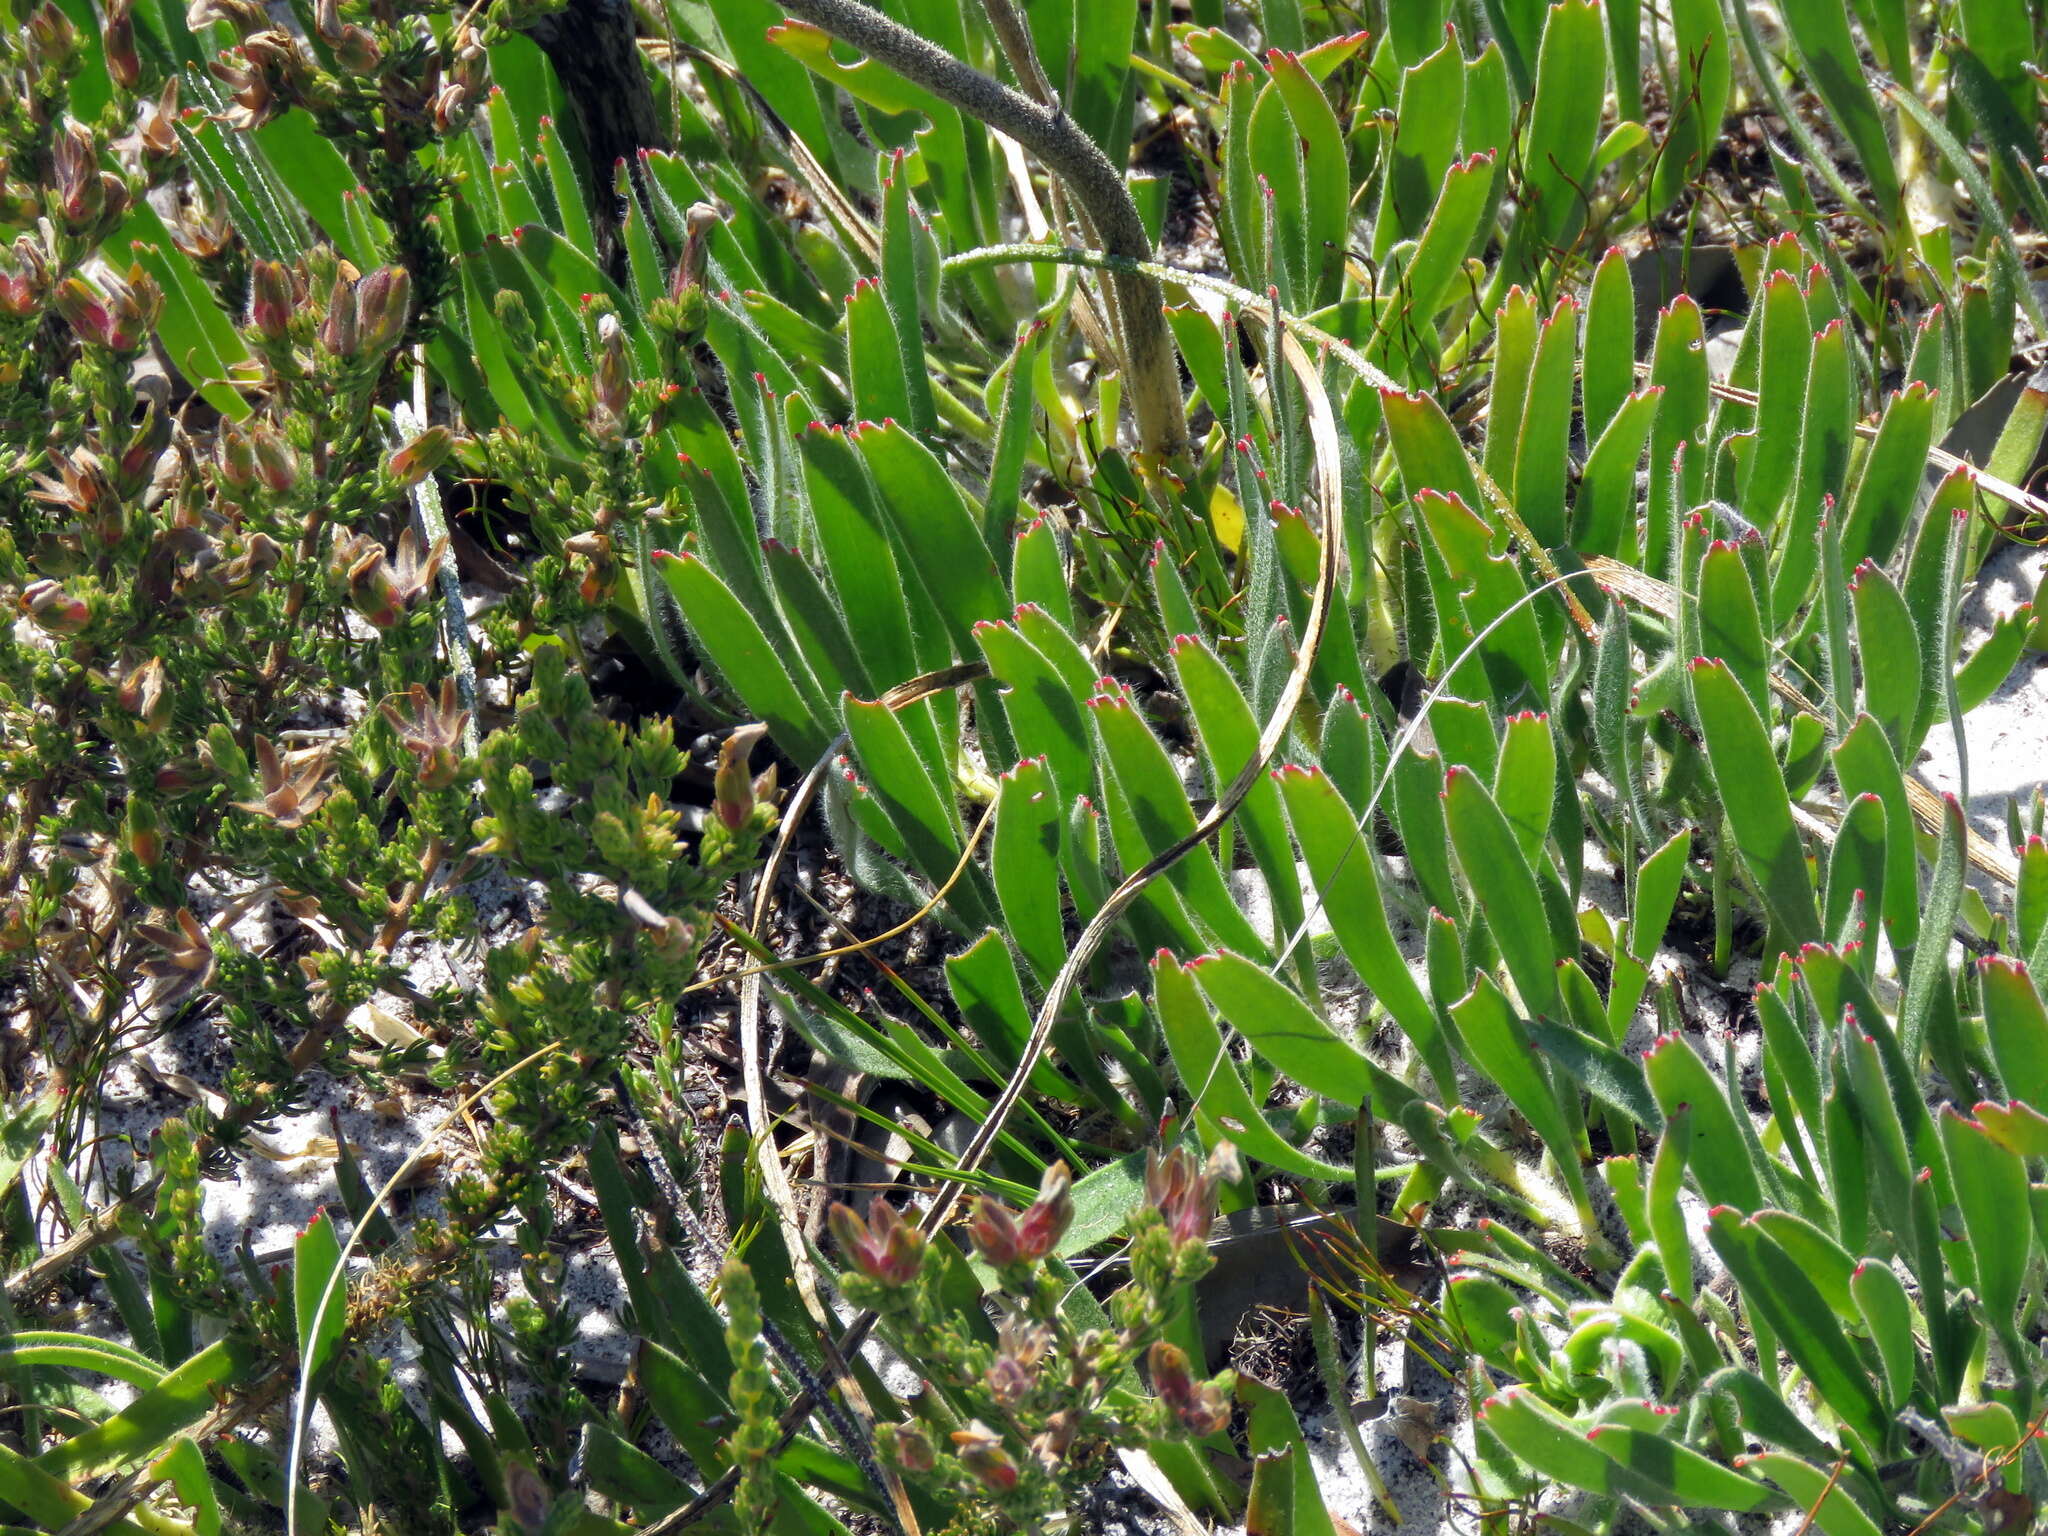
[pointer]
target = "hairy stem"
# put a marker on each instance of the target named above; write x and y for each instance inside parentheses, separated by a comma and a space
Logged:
(1151, 375)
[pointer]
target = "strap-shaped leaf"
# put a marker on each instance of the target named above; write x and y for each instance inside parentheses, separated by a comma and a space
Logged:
(1505, 886)
(1347, 884)
(1758, 807)
(1283, 1029)
(1213, 1080)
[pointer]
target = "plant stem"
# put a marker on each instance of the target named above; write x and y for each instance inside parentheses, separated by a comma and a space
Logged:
(1097, 187)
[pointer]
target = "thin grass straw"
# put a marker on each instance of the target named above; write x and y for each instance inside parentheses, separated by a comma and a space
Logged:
(302, 1407)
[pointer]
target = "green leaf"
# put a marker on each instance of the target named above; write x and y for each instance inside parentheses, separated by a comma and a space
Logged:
(937, 528)
(1024, 865)
(1856, 867)
(1603, 517)
(1424, 142)
(1229, 737)
(1212, 1078)
(319, 1294)
(1731, 628)
(1694, 1481)
(1557, 1449)
(1888, 650)
(1885, 491)
(1404, 339)
(1658, 880)
(1820, 33)
(1865, 764)
(1607, 368)
(1836, 1513)
(1784, 1296)
(1991, 1184)
(1285, 1498)
(1718, 1154)
(2017, 1024)
(1700, 90)
(1502, 881)
(757, 669)
(1784, 355)
(1758, 807)
(1988, 667)
(1341, 864)
(180, 1399)
(1281, 1027)
(1539, 478)
(1887, 1314)
(1498, 1043)
(1158, 816)
(1928, 973)
(1564, 125)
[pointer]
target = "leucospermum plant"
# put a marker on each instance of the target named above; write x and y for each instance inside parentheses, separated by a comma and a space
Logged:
(1328, 564)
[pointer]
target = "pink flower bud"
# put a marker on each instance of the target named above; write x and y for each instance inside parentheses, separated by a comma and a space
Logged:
(270, 300)
(1046, 1221)
(383, 305)
(885, 1248)
(276, 465)
(993, 1228)
(338, 330)
(980, 1450)
(53, 610)
(422, 456)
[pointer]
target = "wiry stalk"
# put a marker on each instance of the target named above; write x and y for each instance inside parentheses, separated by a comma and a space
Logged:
(1152, 377)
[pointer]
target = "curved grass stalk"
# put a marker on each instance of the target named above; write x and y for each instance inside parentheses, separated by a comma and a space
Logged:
(1096, 186)
(302, 1407)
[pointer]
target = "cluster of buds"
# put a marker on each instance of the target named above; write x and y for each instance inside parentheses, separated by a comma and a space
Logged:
(259, 456)
(735, 793)
(380, 588)
(24, 280)
(83, 200)
(364, 320)
(1005, 1239)
(51, 41)
(117, 315)
(354, 49)
(1020, 1347)
(1198, 1407)
(1181, 1202)
(885, 1250)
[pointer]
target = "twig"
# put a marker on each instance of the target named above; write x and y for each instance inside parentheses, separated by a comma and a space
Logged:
(1136, 308)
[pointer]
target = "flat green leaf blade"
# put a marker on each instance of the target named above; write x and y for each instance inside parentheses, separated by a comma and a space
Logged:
(735, 642)
(1498, 1043)
(1341, 865)
(1283, 1029)
(1505, 886)
(1212, 1078)
(1759, 808)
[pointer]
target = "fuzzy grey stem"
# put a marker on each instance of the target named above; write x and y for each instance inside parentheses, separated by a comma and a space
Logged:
(1152, 376)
